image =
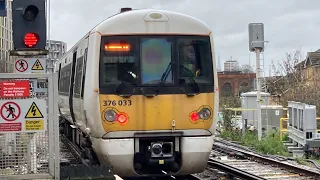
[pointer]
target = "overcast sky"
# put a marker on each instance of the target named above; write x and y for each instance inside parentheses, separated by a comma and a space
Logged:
(289, 24)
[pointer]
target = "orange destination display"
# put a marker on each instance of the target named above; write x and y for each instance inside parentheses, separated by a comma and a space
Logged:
(117, 47)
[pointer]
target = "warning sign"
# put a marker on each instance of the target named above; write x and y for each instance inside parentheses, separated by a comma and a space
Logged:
(15, 89)
(10, 111)
(37, 65)
(34, 111)
(34, 125)
(21, 65)
(9, 127)
(30, 65)
(23, 115)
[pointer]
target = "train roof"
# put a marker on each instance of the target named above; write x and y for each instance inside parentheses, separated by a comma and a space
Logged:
(135, 22)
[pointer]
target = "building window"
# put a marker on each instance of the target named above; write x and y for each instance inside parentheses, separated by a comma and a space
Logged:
(227, 89)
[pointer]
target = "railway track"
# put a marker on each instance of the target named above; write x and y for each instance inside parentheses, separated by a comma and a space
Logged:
(68, 155)
(246, 164)
(75, 166)
(71, 156)
(164, 177)
(232, 171)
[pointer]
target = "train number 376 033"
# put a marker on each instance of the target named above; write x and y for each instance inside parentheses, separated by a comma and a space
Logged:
(117, 103)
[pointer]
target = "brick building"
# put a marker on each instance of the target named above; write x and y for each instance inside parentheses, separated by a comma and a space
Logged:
(235, 83)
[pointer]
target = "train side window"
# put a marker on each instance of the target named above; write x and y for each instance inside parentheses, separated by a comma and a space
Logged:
(65, 80)
(78, 73)
(85, 56)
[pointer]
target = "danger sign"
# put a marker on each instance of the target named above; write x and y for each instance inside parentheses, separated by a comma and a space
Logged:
(23, 115)
(36, 125)
(31, 65)
(37, 66)
(15, 89)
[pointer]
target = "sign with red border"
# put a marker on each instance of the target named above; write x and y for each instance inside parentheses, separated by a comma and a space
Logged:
(23, 115)
(21, 65)
(10, 109)
(30, 65)
(15, 89)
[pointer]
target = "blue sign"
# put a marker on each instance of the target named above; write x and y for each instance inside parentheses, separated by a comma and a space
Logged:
(3, 8)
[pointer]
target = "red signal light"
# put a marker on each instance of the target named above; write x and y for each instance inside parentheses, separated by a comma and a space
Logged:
(31, 39)
(194, 116)
(122, 118)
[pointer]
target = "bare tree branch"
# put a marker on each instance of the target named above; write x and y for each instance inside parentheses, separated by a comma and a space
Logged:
(291, 83)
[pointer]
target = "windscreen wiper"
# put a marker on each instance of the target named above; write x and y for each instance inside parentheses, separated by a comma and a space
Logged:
(162, 80)
(120, 85)
(119, 88)
(164, 75)
(195, 85)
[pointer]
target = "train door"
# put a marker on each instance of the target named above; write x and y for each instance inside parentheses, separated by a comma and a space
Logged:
(59, 85)
(77, 101)
(74, 60)
(85, 56)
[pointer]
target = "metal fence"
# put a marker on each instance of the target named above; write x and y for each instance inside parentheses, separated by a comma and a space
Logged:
(34, 154)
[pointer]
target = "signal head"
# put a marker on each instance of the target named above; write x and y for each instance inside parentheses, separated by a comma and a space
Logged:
(29, 24)
(30, 12)
(31, 39)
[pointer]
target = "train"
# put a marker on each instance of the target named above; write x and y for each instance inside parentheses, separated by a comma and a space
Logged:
(139, 92)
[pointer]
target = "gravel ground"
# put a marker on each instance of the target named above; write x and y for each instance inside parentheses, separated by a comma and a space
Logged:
(259, 168)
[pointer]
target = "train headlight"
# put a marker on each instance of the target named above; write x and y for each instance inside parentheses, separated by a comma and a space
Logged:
(204, 113)
(110, 115)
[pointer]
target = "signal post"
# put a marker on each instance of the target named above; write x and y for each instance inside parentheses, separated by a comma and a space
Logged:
(256, 44)
(29, 112)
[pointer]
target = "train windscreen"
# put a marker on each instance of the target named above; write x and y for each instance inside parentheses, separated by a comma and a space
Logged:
(148, 61)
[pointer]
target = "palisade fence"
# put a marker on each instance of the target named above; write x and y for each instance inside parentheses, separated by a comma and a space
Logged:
(35, 154)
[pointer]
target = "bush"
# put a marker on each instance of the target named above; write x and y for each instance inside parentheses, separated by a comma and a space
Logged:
(285, 137)
(268, 145)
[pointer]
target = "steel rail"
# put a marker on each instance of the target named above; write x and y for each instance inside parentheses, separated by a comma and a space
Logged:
(233, 171)
(259, 158)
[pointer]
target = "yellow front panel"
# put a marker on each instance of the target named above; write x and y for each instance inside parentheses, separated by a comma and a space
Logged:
(156, 113)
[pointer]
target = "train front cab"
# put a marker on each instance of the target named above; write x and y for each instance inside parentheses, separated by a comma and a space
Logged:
(157, 103)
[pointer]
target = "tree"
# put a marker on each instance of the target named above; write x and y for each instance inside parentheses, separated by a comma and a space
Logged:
(246, 68)
(228, 102)
(291, 84)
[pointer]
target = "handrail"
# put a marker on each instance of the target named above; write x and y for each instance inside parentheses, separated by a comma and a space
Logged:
(282, 130)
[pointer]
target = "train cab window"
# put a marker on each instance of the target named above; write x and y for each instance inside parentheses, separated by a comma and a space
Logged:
(119, 62)
(195, 60)
(156, 55)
